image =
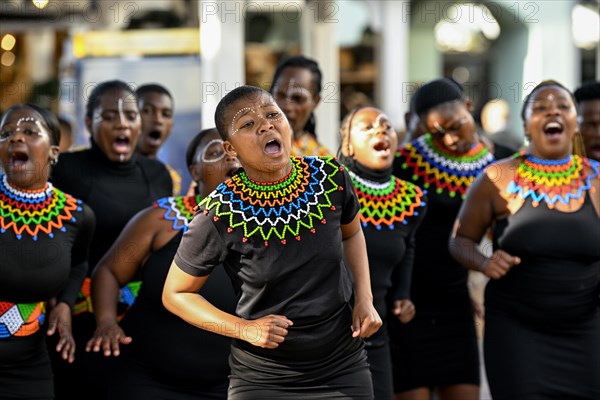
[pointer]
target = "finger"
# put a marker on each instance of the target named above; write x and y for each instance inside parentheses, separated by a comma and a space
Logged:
(114, 344)
(106, 346)
(51, 327)
(277, 339)
(281, 320)
(356, 324)
(125, 339)
(89, 345)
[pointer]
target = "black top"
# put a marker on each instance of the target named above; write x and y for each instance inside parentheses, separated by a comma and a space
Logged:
(115, 191)
(187, 355)
(439, 282)
(281, 245)
(40, 260)
(391, 211)
(557, 279)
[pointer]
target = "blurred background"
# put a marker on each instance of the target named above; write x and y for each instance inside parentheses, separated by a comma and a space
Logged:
(371, 52)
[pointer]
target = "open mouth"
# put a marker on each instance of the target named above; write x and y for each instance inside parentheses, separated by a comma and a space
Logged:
(122, 145)
(382, 148)
(155, 137)
(19, 159)
(553, 128)
(272, 147)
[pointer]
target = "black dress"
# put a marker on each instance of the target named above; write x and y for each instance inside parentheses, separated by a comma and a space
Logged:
(188, 362)
(116, 192)
(439, 346)
(281, 245)
(391, 211)
(542, 322)
(44, 239)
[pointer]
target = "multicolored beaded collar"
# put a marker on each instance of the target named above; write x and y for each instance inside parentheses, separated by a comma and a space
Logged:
(386, 203)
(282, 209)
(44, 210)
(22, 319)
(180, 210)
(442, 169)
(553, 180)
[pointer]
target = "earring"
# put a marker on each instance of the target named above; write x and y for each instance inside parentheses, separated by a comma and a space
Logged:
(54, 161)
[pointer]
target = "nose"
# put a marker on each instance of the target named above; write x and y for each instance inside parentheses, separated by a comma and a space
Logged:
(450, 138)
(17, 136)
(158, 117)
(265, 125)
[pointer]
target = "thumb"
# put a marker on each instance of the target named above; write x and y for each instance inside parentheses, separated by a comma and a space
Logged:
(516, 260)
(397, 310)
(51, 326)
(356, 326)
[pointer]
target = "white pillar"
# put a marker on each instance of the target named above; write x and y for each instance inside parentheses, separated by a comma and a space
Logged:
(318, 42)
(222, 53)
(552, 53)
(393, 86)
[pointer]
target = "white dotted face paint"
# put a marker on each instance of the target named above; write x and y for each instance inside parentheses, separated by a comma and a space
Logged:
(29, 126)
(253, 119)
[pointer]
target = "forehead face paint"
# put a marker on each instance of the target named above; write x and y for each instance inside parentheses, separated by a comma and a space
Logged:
(30, 126)
(212, 152)
(278, 116)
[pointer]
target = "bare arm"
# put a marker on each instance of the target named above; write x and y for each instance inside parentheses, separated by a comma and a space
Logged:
(118, 267)
(476, 215)
(180, 296)
(365, 320)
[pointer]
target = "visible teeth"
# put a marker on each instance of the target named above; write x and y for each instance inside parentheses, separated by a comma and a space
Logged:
(553, 125)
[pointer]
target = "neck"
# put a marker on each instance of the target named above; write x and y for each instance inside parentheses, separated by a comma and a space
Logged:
(277, 173)
(22, 185)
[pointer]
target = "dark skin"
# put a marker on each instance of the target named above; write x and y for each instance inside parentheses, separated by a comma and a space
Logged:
(372, 143)
(452, 128)
(145, 233)
(487, 200)
(252, 124)
(156, 112)
(32, 141)
(589, 125)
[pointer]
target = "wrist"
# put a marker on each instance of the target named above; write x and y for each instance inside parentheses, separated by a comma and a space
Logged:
(483, 266)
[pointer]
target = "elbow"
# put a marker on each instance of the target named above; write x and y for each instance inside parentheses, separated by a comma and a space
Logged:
(168, 300)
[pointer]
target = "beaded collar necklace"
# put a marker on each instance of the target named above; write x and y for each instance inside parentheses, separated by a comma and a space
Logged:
(179, 210)
(284, 209)
(553, 181)
(442, 169)
(384, 204)
(32, 211)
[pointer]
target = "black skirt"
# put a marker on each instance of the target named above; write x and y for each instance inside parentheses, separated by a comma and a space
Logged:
(337, 369)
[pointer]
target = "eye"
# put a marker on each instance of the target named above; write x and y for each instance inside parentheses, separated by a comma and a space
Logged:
(131, 116)
(108, 116)
(30, 132)
(247, 124)
(168, 114)
(5, 134)
(273, 115)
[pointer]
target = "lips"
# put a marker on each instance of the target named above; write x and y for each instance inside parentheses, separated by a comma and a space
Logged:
(382, 148)
(155, 137)
(553, 128)
(19, 159)
(272, 147)
(122, 145)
